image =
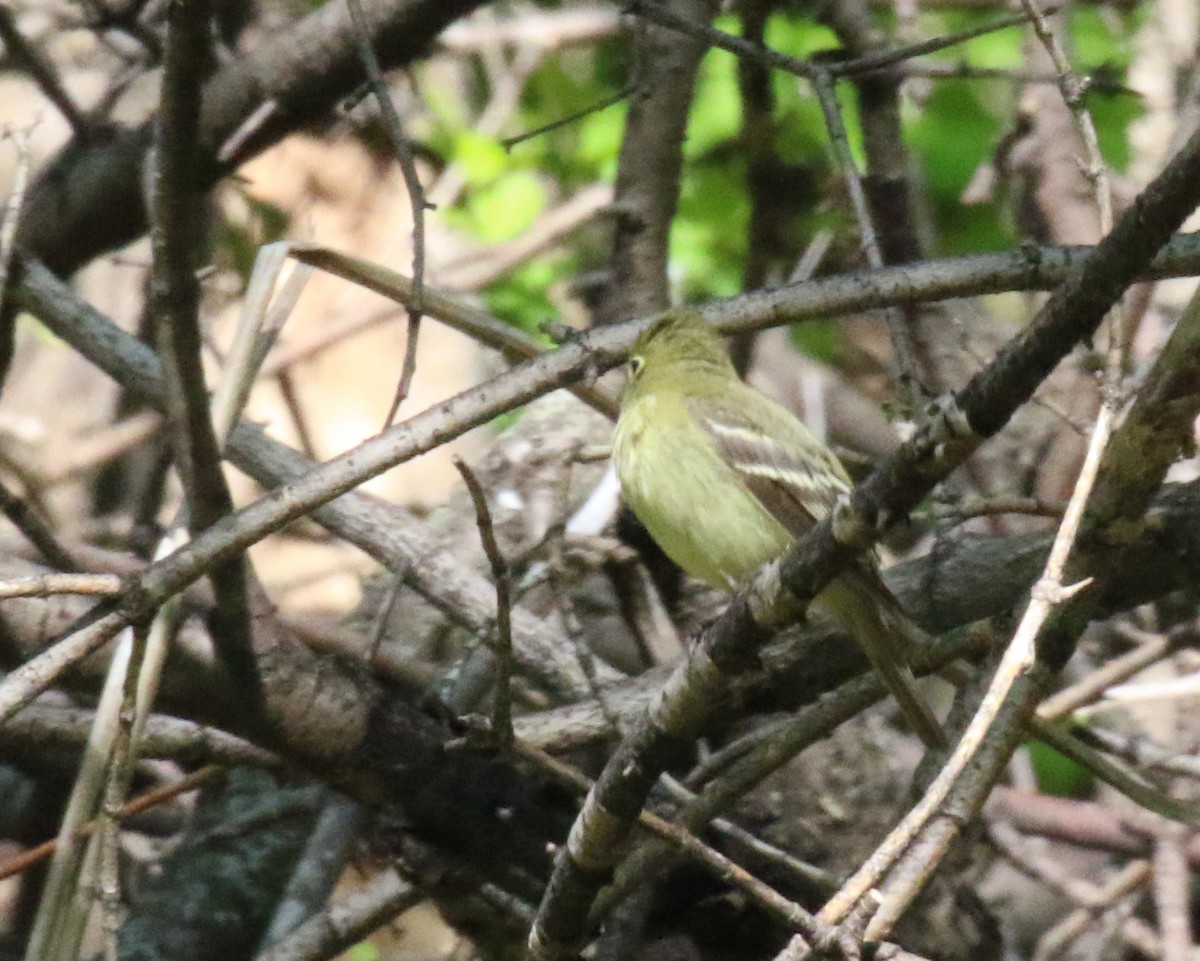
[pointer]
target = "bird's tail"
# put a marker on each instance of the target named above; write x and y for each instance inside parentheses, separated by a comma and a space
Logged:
(862, 604)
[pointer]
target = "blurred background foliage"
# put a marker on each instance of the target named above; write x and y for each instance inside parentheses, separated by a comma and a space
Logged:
(952, 124)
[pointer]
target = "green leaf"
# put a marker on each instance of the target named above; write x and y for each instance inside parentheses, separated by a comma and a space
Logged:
(798, 36)
(522, 297)
(818, 339)
(716, 114)
(600, 140)
(508, 206)
(1057, 774)
(1102, 36)
(708, 237)
(481, 158)
(1002, 50)
(952, 136)
(363, 951)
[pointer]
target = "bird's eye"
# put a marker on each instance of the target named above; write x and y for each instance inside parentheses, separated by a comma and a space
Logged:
(635, 366)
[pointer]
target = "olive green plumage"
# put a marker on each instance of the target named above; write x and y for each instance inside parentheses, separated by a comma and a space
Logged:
(725, 479)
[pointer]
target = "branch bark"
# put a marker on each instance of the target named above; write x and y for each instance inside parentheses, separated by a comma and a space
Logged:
(89, 200)
(730, 645)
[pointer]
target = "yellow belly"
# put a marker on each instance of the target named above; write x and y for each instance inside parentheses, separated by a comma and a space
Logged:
(693, 504)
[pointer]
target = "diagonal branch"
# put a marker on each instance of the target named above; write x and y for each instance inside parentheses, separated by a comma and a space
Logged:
(177, 234)
(88, 200)
(397, 787)
(650, 165)
(416, 195)
(1157, 428)
(946, 439)
(36, 291)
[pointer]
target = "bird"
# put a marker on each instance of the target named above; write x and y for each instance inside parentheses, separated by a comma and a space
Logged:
(724, 480)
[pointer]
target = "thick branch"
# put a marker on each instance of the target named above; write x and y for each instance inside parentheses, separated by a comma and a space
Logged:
(89, 199)
(178, 235)
(650, 166)
(730, 645)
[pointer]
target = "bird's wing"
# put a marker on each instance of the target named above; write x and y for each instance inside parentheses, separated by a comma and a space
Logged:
(795, 477)
(799, 480)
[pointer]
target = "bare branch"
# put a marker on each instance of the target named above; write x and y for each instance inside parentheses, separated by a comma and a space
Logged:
(346, 921)
(650, 165)
(40, 68)
(502, 724)
(143, 803)
(177, 233)
(89, 199)
(723, 650)
(416, 196)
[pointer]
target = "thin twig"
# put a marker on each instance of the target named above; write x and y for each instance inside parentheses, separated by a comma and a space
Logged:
(66, 729)
(603, 104)
(1171, 688)
(788, 912)
(48, 585)
(229, 151)
(1139, 791)
(513, 343)
(1172, 894)
(177, 231)
(1030, 269)
(120, 772)
(58, 924)
(36, 531)
(889, 58)
(143, 802)
(502, 696)
(1073, 87)
(901, 337)
(665, 17)
(347, 920)
(1066, 932)
(383, 617)
(1047, 593)
(1141, 751)
(965, 71)
(288, 353)
(416, 196)
(295, 410)
(915, 869)
(574, 629)
(16, 197)
(556, 577)
(41, 69)
(506, 82)
(992, 506)
(321, 863)
(657, 13)
(264, 312)
(1062, 878)
(1085, 824)
(782, 860)
(757, 756)
(1089, 688)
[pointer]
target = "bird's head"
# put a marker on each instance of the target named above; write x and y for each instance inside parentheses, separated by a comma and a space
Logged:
(680, 343)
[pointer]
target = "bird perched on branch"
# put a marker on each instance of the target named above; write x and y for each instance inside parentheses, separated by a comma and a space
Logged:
(725, 480)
